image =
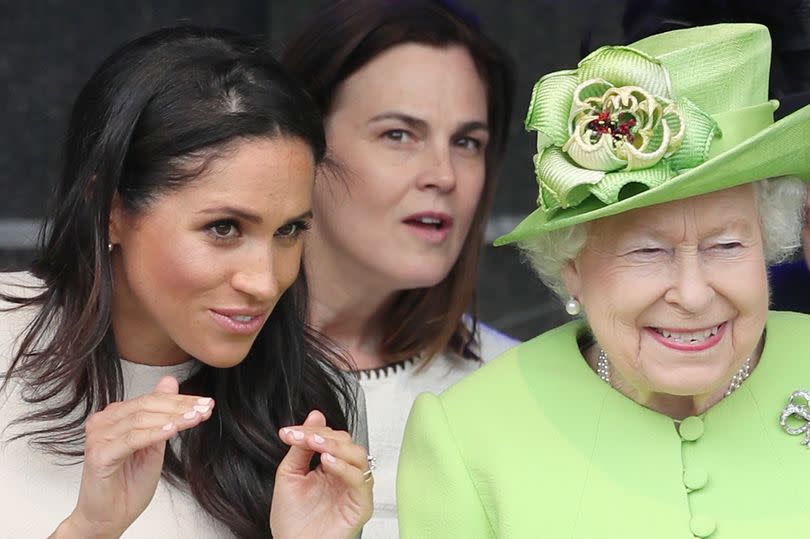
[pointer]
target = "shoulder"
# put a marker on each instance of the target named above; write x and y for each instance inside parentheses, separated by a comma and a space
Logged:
(19, 283)
(513, 374)
(493, 343)
(15, 319)
(787, 329)
(784, 321)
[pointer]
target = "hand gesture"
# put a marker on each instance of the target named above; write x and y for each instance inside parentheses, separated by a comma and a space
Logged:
(332, 501)
(123, 458)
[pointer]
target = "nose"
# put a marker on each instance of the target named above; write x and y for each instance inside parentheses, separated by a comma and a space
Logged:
(256, 277)
(690, 289)
(439, 172)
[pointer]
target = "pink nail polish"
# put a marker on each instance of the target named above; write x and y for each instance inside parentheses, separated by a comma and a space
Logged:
(168, 426)
(298, 435)
(318, 439)
(201, 409)
(191, 414)
(329, 458)
(204, 401)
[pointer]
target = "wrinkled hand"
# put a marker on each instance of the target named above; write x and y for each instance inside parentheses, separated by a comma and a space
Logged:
(334, 500)
(123, 458)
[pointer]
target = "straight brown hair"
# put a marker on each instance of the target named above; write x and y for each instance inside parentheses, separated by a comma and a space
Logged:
(342, 38)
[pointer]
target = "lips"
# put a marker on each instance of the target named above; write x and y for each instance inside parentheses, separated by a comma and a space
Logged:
(239, 321)
(430, 227)
(690, 337)
(691, 340)
(429, 220)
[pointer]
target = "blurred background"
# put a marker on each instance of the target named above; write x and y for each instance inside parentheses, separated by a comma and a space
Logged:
(48, 48)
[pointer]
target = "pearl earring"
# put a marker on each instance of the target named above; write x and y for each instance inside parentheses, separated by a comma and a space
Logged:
(109, 246)
(573, 306)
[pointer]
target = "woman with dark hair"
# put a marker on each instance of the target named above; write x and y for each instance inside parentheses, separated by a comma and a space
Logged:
(416, 103)
(167, 301)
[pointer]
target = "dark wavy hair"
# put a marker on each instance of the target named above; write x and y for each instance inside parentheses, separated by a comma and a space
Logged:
(345, 36)
(172, 94)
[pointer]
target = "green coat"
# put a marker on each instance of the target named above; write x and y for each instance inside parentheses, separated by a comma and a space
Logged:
(536, 445)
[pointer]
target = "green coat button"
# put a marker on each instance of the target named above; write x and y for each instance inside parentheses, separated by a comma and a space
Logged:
(695, 478)
(702, 526)
(691, 428)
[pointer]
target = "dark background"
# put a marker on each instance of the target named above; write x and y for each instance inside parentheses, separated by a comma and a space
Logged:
(48, 48)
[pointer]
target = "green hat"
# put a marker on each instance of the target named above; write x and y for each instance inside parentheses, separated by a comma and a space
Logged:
(671, 116)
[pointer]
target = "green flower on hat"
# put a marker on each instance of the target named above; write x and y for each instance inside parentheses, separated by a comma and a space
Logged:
(611, 123)
(621, 128)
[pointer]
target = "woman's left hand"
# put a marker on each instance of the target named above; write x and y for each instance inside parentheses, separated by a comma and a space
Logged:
(332, 501)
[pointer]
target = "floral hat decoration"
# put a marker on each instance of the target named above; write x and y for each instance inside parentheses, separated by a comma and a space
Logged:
(674, 115)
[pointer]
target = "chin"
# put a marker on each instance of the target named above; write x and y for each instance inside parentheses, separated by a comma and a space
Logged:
(422, 276)
(222, 357)
(688, 386)
(421, 281)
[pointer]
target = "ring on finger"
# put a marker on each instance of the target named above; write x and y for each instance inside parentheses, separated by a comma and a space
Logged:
(372, 465)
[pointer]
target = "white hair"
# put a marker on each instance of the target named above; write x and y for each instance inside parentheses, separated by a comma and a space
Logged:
(780, 202)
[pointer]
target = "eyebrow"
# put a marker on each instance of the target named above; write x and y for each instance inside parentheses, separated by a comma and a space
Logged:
(416, 123)
(248, 216)
(302, 217)
(734, 225)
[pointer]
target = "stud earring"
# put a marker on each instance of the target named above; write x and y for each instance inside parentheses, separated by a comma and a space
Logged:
(109, 246)
(573, 306)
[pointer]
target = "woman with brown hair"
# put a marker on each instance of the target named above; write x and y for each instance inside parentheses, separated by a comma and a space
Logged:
(416, 103)
(158, 379)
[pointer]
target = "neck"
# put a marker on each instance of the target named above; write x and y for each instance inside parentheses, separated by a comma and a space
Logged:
(677, 407)
(136, 337)
(347, 308)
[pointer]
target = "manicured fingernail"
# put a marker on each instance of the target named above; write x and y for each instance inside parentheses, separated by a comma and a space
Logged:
(204, 401)
(191, 414)
(298, 435)
(168, 426)
(318, 439)
(285, 431)
(202, 409)
(329, 457)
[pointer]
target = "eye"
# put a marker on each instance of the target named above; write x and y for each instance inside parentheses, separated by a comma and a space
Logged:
(470, 143)
(398, 135)
(225, 229)
(644, 255)
(292, 230)
(727, 246)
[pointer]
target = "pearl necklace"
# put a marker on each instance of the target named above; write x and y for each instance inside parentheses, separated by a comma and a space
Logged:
(603, 370)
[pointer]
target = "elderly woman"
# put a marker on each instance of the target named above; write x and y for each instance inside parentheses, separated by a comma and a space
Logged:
(671, 410)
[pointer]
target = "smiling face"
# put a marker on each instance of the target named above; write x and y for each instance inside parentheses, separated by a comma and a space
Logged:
(409, 131)
(676, 294)
(197, 272)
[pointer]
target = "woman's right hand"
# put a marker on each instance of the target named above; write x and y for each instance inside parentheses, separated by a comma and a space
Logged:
(123, 458)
